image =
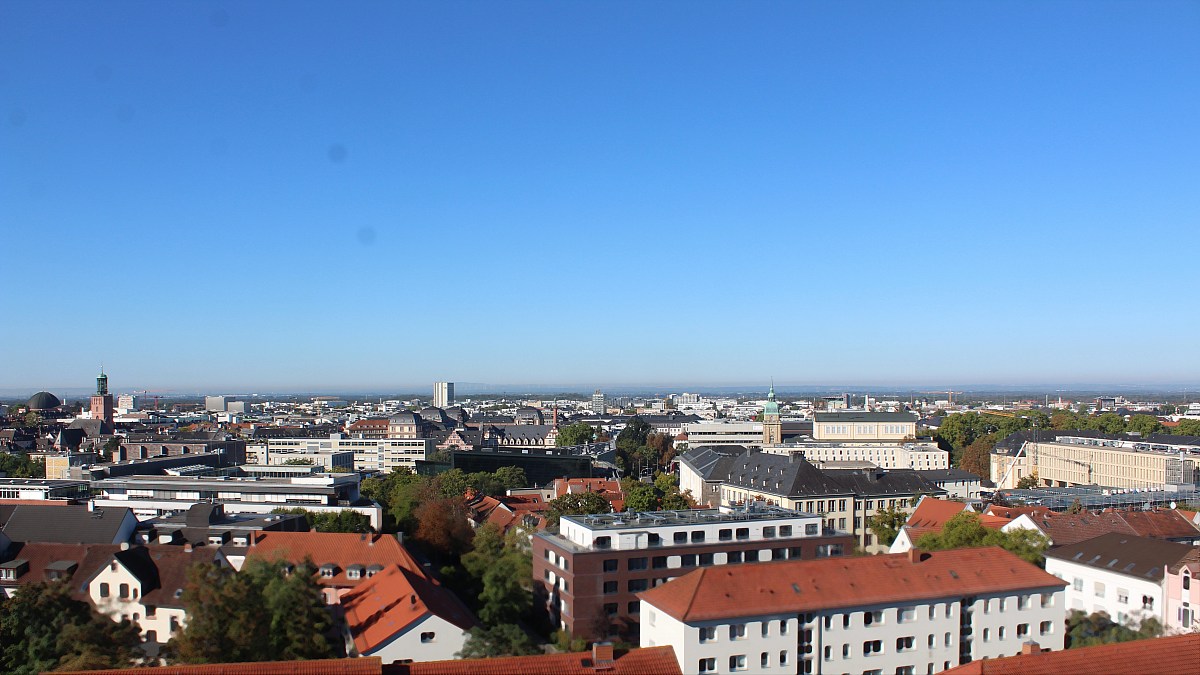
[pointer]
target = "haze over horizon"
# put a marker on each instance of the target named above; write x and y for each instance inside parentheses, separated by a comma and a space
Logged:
(314, 197)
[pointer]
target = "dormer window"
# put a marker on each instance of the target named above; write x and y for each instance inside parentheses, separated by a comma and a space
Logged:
(328, 570)
(355, 572)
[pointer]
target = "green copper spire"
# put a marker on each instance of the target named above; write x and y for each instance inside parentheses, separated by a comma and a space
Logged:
(771, 408)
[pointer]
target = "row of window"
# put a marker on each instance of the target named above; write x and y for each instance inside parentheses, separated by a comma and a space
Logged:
(737, 631)
(1044, 628)
(738, 662)
(1098, 590)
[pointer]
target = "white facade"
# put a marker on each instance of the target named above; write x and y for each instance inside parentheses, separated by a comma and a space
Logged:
(624, 531)
(724, 433)
(117, 593)
(923, 637)
(370, 454)
(431, 638)
(1122, 597)
(443, 394)
(921, 456)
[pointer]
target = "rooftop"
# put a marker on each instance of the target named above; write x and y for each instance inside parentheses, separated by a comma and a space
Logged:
(718, 593)
(1178, 654)
(1120, 553)
(644, 519)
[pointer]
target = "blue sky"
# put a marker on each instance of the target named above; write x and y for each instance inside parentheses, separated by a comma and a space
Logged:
(275, 195)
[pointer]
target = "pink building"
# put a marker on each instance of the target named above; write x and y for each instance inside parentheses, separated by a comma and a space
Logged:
(1181, 586)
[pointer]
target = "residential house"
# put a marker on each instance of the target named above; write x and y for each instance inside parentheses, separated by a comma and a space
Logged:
(399, 614)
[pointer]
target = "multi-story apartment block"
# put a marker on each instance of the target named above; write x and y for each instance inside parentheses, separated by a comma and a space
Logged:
(597, 405)
(919, 612)
(369, 454)
(845, 498)
(852, 425)
(372, 427)
(1066, 459)
(443, 394)
(590, 571)
(1119, 574)
(913, 455)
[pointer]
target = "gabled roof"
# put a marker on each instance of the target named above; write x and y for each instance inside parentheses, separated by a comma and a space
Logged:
(391, 602)
(341, 549)
(1064, 529)
(934, 512)
(1161, 524)
(1179, 654)
(717, 593)
(1140, 557)
(712, 462)
(66, 524)
(644, 661)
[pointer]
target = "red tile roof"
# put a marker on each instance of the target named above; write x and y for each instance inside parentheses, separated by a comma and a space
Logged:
(341, 549)
(1168, 656)
(367, 666)
(391, 601)
(730, 591)
(933, 513)
(1161, 524)
(609, 489)
(644, 661)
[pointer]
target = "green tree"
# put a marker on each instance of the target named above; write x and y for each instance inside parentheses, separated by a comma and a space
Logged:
(577, 504)
(977, 457)
(640, 496)
(1187, 428)
(1076, 507)
(965, 530)
(1028, 482)
(299, 461)
(1166, 409)
(20, 466)
(501, 640)
(1109, 423)
(575, 434)
(1144, 425)
(43, 628)
(1088, 630)
(258, 614)
(336, 521)
(32, 419)
(886, 524)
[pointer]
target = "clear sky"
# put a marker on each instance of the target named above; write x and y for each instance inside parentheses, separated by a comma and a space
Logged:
(321, 196)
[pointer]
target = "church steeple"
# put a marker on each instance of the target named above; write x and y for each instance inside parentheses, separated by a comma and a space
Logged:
(772, 427)
(102, 383)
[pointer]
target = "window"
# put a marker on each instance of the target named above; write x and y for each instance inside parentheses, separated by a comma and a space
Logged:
(610, 609)
(779, 554)
(828, 653)
(904, 643)
(846, 620)
(610, 565)
(904, 670)
(742, 533)
(947, 643)
(906, 614)
(659, 562)
(737, 631)
(1187, 580)
(635, 607)
(733, 557)
(783, 626)
(785, 530)
(737, 662)
(708, 634)
(706, 559)
(1003, 603)
(697, 536)
(638, 585)
(1045, 627)
(987, 634)
(103, 590)
(681, 537)
(654, 539)
(1147, 602)
(1098, 589)
(1122, 596)
(766, 628)
(688, 560)
(872, 647)
(637, 564)
(1186, 617)
(769, 532)
(724, 534)
(707, 665)
(1078, 585)
(1047, 600)
(783, 658)
(427, 637)
(811, 529)
(1023, 601)
(151, 611)
(845, 651)
(872, 618)
(1000, 632)
(931, 640)
(1022, 630)
(602, 542)
(610, 587)
(764, 660)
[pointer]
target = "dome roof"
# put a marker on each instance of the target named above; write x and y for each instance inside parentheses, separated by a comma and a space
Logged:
(43, 400)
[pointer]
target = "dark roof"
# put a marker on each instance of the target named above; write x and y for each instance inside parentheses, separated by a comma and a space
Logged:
(43, 400)
(792, 475)
(712, 462)
(65, 524)
(948, 474)
(1140, 557)
(92, 427)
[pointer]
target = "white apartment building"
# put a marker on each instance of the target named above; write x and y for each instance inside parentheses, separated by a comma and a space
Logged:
(369, 454)
(1116, 573)
(920, 456)
(919, 612)
(724, 433)
(1066, 460)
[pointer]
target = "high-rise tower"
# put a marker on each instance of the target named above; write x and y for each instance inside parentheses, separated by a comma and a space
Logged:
(598, 407)
(443, 394)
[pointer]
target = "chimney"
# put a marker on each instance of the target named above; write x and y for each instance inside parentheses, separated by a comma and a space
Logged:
(1030, 647)
(187, 548)
(124, 546)
(916, 555)
(602, 656)
(370, 539)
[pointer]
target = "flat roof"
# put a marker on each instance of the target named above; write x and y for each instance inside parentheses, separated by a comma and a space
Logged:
(644, 519)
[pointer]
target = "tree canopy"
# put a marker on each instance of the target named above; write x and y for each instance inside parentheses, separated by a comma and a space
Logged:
(43, 628)
(1088, 630)
(662, 494)
(965, 530)
(886, 524)
(20, 466)
(576, 504)
(326, 521)
(575, 434)
(402, 491)
(257, 614)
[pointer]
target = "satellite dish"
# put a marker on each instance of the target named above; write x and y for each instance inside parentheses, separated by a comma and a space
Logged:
(1173, 506)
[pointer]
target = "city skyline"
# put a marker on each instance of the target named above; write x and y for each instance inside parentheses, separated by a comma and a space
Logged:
(242, 196)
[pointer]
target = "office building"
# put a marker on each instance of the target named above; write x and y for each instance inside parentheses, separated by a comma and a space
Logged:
(598, 407)
(1070, 458)
(443, 394)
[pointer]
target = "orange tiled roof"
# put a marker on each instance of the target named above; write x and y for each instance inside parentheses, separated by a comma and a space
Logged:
(1163, 524)
(369, 666)
(933, 513)
(644, 661)
(341, 549)
(1168, 655)
(391, 601)
(712, 593)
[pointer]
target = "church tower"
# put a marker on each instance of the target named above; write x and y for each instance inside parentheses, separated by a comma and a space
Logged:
(102, 403)
(772, 427)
